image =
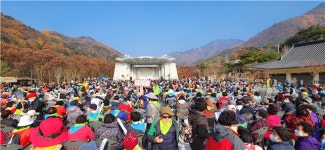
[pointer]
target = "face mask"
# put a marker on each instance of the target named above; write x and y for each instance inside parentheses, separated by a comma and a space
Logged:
(298, 133)
(272, 138)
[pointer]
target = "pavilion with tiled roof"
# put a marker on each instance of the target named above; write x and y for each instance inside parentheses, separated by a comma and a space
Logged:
(304, 61)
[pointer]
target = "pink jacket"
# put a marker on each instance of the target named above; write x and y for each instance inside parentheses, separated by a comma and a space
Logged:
(274, 121)
(85, 134)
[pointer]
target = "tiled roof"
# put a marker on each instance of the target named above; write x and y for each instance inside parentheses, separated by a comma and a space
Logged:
(301, 55)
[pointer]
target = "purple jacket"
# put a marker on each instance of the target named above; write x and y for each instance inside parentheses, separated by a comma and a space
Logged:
(307, 143)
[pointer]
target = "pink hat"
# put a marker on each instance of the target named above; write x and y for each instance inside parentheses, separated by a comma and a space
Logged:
(50, 132)
(130, 141)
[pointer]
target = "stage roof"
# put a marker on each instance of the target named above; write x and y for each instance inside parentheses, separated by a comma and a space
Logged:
(145, 60)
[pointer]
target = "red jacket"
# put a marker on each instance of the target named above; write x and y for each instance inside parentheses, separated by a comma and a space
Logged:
(2, 137)
(24, 136)
(292, 121)
(60, 110)
(224, 139)
(84, 133)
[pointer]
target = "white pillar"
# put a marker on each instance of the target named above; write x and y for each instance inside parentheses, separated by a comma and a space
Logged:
(288, 76)
(316, 77)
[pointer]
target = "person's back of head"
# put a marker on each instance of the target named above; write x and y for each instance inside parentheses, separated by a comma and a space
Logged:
(135, 116)
(200, 104)
(301, 111)
(227, 118)
(109, 118)
(245, 135)
(81, 119)
(51, 110)
(272, 109)
(60, 103)
(5, 114)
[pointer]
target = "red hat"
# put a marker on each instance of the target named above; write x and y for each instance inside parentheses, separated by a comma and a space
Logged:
(50, 132)
(4, 96)
(130, 141)
(32, 94)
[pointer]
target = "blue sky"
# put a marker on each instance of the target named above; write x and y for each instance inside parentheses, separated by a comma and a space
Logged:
(155, 28)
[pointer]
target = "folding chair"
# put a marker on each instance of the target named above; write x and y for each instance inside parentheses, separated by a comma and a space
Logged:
(11, 147)
(260, 138)
(73, 145)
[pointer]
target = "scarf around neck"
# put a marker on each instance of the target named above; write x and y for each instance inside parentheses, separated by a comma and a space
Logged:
(165, 126)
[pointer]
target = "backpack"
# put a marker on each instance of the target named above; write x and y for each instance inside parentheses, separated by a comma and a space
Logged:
(185, 130)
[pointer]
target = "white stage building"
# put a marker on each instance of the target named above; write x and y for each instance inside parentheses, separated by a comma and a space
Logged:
(145, 67)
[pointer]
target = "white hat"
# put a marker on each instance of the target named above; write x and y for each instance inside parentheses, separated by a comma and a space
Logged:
(25, 120)
(32, 113)
(231, 107)
(151, 96)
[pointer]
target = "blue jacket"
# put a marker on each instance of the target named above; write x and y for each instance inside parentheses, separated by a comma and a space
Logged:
(280, 146)
(287, 107)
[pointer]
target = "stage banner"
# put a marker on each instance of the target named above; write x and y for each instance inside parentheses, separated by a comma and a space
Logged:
(142, 83)
(8, 79)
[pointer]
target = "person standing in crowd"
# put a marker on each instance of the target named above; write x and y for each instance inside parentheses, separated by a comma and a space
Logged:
(279, 139)
(225, 136)
(306, 141)
(152, 112)
(163, 132)
(80, 130)
(200, 127)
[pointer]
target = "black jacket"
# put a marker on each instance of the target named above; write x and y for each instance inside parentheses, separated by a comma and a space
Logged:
(200, 130)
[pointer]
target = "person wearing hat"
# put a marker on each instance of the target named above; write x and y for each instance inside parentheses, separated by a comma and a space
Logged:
(49, 134)
(23, 130)
(152, 112)
(34, 103)
(247, 108)
(223, 100)
(93, 114)
(130, 142)
(34, 115)
(163, 132)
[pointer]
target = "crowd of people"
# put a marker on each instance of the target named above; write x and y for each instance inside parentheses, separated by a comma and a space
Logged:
(181, 114)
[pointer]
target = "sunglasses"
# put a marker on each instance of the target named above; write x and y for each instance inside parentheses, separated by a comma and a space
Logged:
(165, 117)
